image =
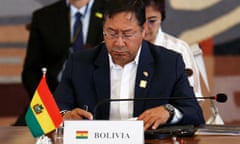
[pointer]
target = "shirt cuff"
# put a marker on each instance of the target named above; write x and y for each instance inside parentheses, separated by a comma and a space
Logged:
(177, 116)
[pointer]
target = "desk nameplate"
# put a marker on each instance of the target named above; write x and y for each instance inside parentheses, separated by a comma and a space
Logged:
(103, 132)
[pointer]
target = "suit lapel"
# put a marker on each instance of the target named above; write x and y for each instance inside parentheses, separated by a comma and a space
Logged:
(101, 77)
(143, 78)
(95, 24)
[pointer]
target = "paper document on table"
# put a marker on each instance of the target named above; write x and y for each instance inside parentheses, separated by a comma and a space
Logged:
(133, 118)
(218, 130)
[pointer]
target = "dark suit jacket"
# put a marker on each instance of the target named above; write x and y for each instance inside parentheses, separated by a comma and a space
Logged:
(49, 42)
(86, 81)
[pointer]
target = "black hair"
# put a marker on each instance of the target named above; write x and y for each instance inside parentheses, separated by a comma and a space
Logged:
(116, 6)
(157, 4)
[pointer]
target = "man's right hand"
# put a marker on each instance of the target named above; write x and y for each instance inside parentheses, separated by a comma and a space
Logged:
(77, 114)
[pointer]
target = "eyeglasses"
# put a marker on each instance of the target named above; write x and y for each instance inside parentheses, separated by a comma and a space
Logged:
(124, 36)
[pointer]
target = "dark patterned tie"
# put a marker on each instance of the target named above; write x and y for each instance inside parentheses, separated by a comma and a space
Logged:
(77, 33)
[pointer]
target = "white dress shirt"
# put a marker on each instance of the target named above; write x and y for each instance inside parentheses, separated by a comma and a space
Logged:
(122, 87)
(86, 12)
(173, 43)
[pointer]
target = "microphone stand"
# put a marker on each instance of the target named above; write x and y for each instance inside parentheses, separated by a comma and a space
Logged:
(215, 118)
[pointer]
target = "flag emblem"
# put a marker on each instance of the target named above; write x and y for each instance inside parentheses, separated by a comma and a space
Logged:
(38, 108)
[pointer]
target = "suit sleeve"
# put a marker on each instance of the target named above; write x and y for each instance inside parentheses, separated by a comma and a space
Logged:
(192, 113)
(33, 62)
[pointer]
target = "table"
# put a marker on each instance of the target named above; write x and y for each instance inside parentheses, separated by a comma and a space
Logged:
(15, 135)
(198, 140)
(21, 135)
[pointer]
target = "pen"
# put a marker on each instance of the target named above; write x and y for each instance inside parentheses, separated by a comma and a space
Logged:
(85, 107)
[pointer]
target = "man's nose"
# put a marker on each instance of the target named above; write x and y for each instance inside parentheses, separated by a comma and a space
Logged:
(119, 40)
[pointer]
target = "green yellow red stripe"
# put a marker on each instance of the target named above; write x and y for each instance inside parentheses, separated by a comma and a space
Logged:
(81, 134)
(43, 114)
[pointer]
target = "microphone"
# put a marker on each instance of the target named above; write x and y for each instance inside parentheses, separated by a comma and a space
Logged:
(221, 97)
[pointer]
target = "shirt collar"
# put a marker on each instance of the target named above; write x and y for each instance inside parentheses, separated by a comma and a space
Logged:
(83, 10)
(159, 38)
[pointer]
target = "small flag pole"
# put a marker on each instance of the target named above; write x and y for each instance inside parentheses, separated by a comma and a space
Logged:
(44, 71)
(44, 139)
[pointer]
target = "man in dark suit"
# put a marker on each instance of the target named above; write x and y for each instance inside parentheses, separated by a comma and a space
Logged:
(125, 66)
(50, 39)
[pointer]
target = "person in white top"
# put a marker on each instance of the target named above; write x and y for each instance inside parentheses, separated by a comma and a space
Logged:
(155, 14)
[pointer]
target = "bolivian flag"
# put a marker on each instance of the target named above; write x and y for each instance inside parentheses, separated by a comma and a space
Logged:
(81, 134)
(43, 115)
